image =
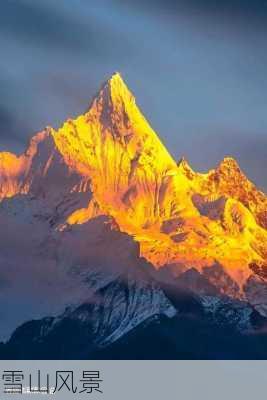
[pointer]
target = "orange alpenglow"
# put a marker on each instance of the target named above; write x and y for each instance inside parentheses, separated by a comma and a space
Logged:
(179, 217)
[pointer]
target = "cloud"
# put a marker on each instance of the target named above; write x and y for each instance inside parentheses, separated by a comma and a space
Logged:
(197, 68)
(32, 21)
(255, 10)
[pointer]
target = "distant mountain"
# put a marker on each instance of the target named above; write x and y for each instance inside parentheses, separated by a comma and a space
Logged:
(99, 220)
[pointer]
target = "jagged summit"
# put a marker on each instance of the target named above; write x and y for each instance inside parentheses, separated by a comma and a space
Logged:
(115, 78)
(116, 83)
(113, 156)
(182, 162)
(115, 145)
(116, 88)
(228, 163)
(113, 96)
(184, 166)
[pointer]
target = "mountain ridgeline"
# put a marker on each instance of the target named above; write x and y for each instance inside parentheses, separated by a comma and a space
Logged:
(105, 234)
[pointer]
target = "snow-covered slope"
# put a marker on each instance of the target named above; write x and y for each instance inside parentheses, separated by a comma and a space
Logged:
(101, 197)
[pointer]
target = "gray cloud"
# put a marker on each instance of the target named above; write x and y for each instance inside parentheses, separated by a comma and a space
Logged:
(255, 10)
(197, 68)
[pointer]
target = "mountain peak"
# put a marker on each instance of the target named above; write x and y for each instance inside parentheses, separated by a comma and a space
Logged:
(229, 163)
(115, 145)
(183, 163)
(113, 94)
(110, 162)
(115, 113)
(116, 77)
(185, 168)
(115, 83)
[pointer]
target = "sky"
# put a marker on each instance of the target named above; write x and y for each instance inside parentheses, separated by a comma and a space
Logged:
(198, 69)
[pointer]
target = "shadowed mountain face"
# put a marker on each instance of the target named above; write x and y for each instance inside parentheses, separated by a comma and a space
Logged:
(101, 201)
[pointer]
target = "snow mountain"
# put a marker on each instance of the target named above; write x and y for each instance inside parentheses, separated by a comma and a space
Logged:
(98, 220)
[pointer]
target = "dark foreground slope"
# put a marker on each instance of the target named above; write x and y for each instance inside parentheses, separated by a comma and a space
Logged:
(195, 332)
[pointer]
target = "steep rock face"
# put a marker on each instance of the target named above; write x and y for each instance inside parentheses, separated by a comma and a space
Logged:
(108, 314)
(11, 168)
(229, 180)
(115, 146)
(135, 180)
(108, 167)
(40, 173)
